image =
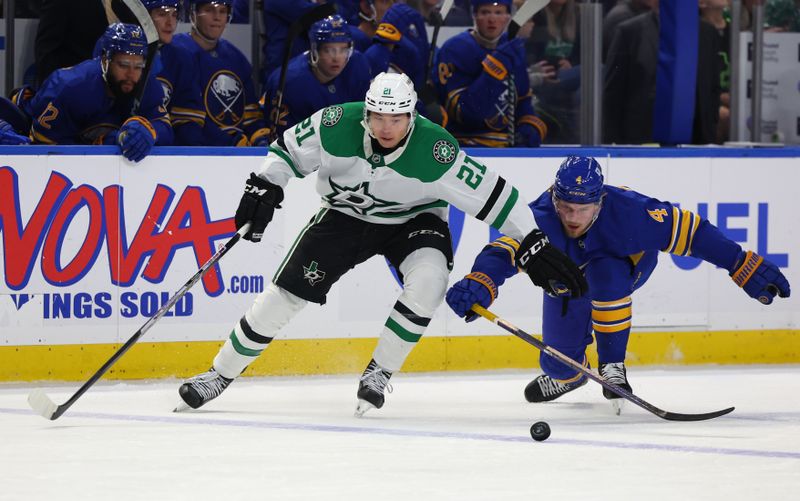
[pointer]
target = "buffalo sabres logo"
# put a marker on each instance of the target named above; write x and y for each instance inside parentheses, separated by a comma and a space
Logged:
(167, 88)
(444, 151)
(331, 115)
(224, 98)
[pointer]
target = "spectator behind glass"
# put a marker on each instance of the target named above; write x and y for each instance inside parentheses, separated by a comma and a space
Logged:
(91, 102)
(233, 116)
(624, 10)
(66, 34)
(483, 82)
(714, 12)
(782, 15)
(630, 83)
(553, 69)
(331, 72)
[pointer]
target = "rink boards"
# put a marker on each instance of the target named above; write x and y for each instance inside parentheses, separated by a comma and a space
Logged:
(66, 304)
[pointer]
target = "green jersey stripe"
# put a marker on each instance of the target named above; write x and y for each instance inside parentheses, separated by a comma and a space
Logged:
(402, 333)
(286, 158)
(501, 218)
(412, 210)
(241, 350)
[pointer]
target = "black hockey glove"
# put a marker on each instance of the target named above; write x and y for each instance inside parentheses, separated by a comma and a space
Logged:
(549, 268)
(259, 201)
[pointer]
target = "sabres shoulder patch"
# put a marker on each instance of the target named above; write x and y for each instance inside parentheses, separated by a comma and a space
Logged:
(331, 115)
(444, 151)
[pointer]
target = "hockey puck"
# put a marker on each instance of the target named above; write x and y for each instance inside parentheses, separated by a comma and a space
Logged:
(540, 431)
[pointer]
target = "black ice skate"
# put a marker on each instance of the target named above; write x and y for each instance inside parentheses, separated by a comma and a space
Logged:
(544, 388)
(616, 374)
(195, 392)
(370, 389)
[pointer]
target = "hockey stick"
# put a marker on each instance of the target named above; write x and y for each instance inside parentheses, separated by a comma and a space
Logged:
(669, 416)
(523, 14)
(134, 12)
(303, 23)
(44, 406)
(428, 94)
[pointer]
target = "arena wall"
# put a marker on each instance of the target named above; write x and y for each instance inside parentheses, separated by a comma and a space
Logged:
(64, 307)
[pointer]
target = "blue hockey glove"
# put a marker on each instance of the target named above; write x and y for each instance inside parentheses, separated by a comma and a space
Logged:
(396, 22)
(9, 136)
(511, 53)
(528, 136)
(136, 137)
(260, 137)
(257, 205)
(549, 268)
(474, 288)
(759, 278)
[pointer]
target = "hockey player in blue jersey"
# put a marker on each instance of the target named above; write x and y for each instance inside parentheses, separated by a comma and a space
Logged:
(91, 103)
(400, 44)
(483, 83)
(614, 235)
(178, 75)
(233, 116)
(331, 72)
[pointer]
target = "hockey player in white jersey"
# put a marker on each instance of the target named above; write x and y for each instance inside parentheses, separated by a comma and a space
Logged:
(386, 177)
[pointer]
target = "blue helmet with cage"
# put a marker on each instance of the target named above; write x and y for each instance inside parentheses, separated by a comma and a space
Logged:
(579, 180)
(328, 30)
(159, 4)
(123, 38)
(478, 3)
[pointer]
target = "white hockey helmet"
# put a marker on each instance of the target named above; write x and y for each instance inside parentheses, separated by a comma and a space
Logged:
(393, 94)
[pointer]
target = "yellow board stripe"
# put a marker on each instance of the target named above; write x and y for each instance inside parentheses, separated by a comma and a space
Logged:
(350, 355)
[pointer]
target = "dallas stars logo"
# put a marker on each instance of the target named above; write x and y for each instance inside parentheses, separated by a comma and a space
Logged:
(444, 151)
(331, 115)
(312, 273)
(356, 198)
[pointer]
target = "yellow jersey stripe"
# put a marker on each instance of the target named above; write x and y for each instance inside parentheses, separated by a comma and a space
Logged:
(608, 305)
(612, 316)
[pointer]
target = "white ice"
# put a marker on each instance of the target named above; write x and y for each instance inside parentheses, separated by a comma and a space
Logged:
(443, 436)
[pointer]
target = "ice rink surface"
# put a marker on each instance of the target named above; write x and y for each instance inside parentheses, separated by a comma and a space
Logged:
(439, 437)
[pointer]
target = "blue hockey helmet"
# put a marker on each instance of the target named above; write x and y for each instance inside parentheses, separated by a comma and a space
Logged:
(194, 3)
(159, 4)
(328, 30)
(579, 180)
(478, 3)
(124, 38)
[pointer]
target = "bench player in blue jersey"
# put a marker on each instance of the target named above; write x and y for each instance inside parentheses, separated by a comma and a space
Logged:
(614, 235)
(92, 102)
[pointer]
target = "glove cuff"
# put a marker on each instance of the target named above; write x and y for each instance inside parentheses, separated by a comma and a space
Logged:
(388, 32)
(748, 263)
(536, 122)
(494, 67)
(484, 280)
(144, 122)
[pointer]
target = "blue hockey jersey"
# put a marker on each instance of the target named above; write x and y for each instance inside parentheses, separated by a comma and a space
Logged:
(227, 91)
(485, 101)
(182, 97)
(304, 94)
(74, 106)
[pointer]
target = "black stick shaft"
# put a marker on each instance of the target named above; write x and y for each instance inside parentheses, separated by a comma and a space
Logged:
(622, 392)
(61, 409)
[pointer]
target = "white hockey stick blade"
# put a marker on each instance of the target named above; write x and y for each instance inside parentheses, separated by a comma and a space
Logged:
(446, 6)
(527, 10)
(41, 403)
(145, 21)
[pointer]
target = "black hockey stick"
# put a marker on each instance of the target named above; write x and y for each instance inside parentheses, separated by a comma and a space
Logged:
(669, 416)
(302, 24)
(134, 12)
(44, 405)
(428, 94)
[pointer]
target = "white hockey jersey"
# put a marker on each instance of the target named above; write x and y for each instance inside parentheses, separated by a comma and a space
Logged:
(425, 174)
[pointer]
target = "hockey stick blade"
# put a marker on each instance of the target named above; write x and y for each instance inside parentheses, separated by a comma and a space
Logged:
(42, 404)
(525, 12)
(45, 407)
(622, 392)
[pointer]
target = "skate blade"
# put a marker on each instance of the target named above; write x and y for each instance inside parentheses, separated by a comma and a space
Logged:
(617, 404)
(181, 407)
(362, 407)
